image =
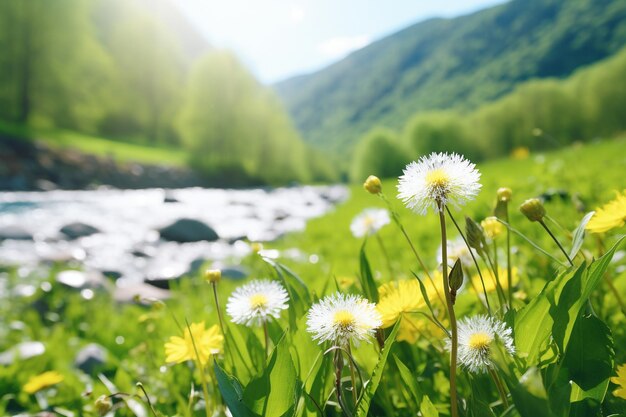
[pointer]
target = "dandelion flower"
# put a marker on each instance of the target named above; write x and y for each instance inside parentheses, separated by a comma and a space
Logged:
(490, 280)
(477, 336)
(438, 179)
(342, 318)
(369, 222)
(620, 380)
(207, 342)
(492, 227)
(39, 382)
(399, 298)
(610, 216)
(254, 303)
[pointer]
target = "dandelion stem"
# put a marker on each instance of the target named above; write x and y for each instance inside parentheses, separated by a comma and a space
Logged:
(500, 387)
(205, 385)
(140, 386)
(480, 274)
(509, 267)
(217, 307)
(494, 267)
(385, 254)
(267, 340)
(545, 226)
(533, 244)
(446, 285)
(352, 376)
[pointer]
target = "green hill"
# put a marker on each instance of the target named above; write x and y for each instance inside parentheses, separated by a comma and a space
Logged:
(451, 63)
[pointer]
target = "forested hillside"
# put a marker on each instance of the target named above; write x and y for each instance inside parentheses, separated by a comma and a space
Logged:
(135, 71)
(455, 63)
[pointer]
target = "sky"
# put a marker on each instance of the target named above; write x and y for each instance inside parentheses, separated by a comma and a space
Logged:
(278, 39)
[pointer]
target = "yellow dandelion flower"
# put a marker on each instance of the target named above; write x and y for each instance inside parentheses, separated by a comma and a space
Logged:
(610, 216)
(208, 342)
(521, 152)
(39, 382)
(490, 280)
(492, 227)
(345, 282)
(397, 298)
(620, 380)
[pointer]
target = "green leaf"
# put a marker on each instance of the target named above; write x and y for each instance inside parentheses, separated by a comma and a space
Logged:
(427, 408)
(579, 235)
(409, 379)
(367, 279)
(372, 385)
(276, 391)
(589, 360)
(231, 392)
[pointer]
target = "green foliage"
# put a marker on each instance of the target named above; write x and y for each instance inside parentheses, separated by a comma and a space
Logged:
(380, 154)
(457, 63)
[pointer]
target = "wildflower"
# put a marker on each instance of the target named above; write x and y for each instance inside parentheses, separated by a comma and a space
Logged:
(41, 381)
(533, 209)
(207, 342)
(457, 249)
(372, 185)
(492, 227)
(521, 152)
(490, 279)
(213, 275)
(436, 180)
(610, 216)
(103, 405)
(398, 298)
(477, 336)
(254, 303)
(504, 194)
(345, 281)
(342, 318)
(620, 380)
(369, 222)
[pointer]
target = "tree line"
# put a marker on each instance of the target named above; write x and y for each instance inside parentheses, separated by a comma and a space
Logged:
(134, 71)
(538, 115)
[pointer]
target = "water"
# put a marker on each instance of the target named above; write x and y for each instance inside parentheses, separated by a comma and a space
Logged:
(129, 242)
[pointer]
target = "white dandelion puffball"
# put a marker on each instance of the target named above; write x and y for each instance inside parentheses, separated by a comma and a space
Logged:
(341, 318)
(476, 338)
(438, 179)
(255, 302)
(369, 221)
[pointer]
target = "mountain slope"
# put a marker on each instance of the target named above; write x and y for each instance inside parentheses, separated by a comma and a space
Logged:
(451, 63)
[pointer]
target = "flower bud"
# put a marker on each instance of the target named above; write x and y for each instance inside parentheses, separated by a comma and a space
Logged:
(373, 185)
(213, 276)
(103, 405)
(455, 278)
(475, 235)
(504, 194)
(492, 227)
(533, 209)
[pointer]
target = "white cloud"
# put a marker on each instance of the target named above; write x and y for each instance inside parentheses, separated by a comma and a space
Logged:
(341, 46)
(296, 15)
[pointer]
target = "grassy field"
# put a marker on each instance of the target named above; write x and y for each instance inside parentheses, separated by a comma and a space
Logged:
(415, 377)
(120, 151)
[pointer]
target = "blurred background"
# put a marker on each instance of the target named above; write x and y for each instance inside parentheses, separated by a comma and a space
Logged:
(163, 93)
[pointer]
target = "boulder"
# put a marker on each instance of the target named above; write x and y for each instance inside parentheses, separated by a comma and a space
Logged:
(78, 230)
(92, 358)
(14, 233)
(188, 230)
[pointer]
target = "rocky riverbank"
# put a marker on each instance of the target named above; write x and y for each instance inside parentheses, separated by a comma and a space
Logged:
(33, 166)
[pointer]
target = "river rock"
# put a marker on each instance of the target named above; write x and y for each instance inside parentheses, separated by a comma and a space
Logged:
(22, 351)
(235, 272)
(14, 233)
(78, 230)
(188, 230)
(91, 358)
(80, 279)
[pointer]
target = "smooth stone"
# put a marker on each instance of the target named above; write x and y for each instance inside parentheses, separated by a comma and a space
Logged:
(22, 351)
(188, 230)
(78, 230)
(79, 279)
(14, 233)
(235, 272)
(91, 358)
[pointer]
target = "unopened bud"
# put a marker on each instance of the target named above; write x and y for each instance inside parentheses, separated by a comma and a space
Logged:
(492, 227)
(455, 278)
(213, 276)
(504, 194)
(475, 235)
(103, 405)
(373, 185)
(533, 209)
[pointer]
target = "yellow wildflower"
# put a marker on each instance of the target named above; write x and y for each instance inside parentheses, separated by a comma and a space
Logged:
(609, 216)
(207, 342)
(521, 152)
(398, 298)
(620, 380)
(490, 280)
(345, 281)
(39, 382)
(492, 227)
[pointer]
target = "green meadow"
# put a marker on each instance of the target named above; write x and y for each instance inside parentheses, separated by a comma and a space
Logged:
(566, 322)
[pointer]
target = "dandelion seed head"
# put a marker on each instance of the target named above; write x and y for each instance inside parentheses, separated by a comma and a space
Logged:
(255, 303)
